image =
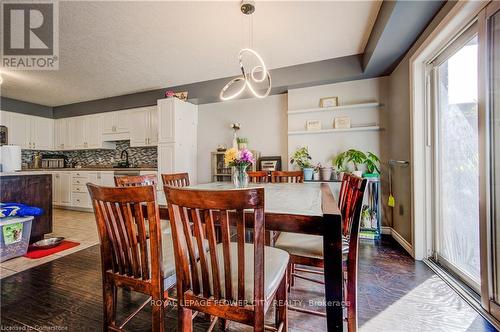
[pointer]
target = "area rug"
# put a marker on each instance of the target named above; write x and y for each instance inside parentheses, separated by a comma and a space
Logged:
(39, 253)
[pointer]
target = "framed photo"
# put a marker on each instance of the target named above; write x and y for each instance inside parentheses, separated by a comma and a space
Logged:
(313, 125)
(329, 102)
(342, 122)
(181, 95)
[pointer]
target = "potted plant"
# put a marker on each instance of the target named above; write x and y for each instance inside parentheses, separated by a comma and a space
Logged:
(242, 142)
(302, 159)
(353, 156)
(326, 173)
(371, 162)
(316, 175)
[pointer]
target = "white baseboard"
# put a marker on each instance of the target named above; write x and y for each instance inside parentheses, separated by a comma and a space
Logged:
(386, 230)
(396, 236)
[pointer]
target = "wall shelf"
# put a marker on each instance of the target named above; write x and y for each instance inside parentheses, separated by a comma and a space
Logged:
(327, 131)
(335, 108)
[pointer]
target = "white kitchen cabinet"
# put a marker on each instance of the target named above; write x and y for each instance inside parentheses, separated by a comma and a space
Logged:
(56, 193)
(85, 133)
(115, 125)
(177, 135)
(62, 138)
(65, 188)
(19, 130)
(144, 128)
(107, 179)
(77, 132)
(30, 132)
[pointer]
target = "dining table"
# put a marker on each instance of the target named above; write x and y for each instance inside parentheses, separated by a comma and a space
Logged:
(306, 208)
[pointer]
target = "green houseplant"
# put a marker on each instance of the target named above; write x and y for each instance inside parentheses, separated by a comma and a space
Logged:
(242, 142)
(371, 162)
(357, 158)
(302, 159)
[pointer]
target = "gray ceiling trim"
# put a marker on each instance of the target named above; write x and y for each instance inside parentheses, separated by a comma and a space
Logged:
(303, 75)
(24, 107)
(397, 27)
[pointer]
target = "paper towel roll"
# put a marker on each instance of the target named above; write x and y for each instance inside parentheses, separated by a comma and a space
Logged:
(10, 158)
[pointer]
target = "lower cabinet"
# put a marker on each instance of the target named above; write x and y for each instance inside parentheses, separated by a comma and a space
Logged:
(69, 189)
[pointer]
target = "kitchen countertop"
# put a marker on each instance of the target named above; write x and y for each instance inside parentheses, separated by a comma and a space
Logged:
(88, 169)
(24, 173)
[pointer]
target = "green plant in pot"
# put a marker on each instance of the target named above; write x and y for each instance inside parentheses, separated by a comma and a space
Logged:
(355, 157)
(371, 162)
(242, 143)
(302, 159)
(358, 158)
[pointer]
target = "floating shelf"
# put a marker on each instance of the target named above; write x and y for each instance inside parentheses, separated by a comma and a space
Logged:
(326, 131)
(335, 108)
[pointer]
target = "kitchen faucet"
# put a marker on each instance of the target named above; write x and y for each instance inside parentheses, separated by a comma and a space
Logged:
(126, 159)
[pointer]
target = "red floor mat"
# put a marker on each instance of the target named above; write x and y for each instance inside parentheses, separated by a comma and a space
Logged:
(39, 253)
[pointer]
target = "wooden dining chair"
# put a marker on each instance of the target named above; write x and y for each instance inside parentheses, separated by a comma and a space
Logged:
(308, 249)
(287, 176)
(235, 281)
(136, 180)
(129, 258)
(175, 179)
(258, 176)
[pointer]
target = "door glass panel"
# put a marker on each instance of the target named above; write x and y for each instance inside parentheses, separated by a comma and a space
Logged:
(457, 172)
(494, 107)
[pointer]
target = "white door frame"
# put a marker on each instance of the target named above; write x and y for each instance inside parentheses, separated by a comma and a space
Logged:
(459, 17)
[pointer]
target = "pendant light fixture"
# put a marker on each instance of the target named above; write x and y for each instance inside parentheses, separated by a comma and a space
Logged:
(258, 74)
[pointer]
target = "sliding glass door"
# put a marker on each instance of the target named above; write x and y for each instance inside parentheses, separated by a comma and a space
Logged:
(456, 153)
(491, 57)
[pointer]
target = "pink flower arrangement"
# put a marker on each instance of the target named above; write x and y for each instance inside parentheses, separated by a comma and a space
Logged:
(243, 157)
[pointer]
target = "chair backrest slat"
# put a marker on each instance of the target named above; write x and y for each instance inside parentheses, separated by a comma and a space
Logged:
(175, 179)
(122, 230)
(224, 208)
(226, 241)
(240, 231)
(258, 176)
(287, 176)
(136, 180)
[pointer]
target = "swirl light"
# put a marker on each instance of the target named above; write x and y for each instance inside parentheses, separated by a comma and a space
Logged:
(249, 77)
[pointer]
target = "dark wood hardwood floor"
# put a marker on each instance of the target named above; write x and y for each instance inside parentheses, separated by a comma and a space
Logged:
(395, 294)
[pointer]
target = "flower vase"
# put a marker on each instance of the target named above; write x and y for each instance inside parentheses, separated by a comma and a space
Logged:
(240, 176)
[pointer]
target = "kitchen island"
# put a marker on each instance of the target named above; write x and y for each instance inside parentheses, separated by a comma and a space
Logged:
(34, 189)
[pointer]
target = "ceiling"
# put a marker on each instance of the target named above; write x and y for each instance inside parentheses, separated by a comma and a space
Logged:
(115, 48)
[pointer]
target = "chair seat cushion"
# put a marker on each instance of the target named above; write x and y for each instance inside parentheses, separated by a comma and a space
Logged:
(305, 245)
(168, 260)
(275, 264)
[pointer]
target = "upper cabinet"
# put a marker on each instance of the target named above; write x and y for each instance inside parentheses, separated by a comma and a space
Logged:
(29, 132)
(176, 118)
(115, 126)
(177, 146)
(80, 133)
(143, 126)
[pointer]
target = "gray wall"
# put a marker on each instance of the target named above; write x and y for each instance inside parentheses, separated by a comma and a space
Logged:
(399, 131)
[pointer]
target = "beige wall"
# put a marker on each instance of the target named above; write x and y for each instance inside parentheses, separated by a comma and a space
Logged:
(399, 131)
(263, 122)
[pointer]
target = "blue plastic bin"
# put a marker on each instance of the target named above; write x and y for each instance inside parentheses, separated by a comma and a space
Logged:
(14, 237)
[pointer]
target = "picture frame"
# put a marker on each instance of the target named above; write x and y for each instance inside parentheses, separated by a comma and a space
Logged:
(313, 125)
(342, 122)
(329, 102)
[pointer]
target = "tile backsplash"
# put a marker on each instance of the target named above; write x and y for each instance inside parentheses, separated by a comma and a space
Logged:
(101, 157)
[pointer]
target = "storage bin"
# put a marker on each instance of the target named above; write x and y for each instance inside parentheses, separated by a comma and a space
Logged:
(14, 237)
